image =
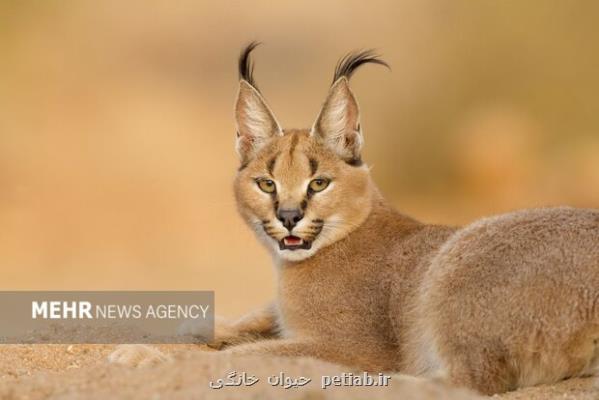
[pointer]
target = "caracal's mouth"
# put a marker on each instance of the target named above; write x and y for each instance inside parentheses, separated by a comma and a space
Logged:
(294, 243)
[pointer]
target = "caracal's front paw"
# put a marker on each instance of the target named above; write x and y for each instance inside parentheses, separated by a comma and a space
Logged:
(225, 333)
(137, 355)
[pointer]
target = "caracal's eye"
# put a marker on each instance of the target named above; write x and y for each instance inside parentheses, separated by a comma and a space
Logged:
(266, 185)
(318, 184)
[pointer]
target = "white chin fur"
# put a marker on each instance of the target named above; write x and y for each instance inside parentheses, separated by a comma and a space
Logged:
(295, 255)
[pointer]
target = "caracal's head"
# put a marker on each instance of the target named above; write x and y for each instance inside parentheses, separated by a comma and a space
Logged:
(302, 189)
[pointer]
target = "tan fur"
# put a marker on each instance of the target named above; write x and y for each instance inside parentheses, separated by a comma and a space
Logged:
(508, 301)
(505, 302)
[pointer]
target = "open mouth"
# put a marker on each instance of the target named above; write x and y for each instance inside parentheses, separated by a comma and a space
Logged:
(294, 243)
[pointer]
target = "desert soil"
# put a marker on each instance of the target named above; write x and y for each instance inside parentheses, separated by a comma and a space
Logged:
(82, 372)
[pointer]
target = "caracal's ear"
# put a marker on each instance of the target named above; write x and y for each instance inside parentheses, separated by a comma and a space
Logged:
(256, 124)
(338, 123)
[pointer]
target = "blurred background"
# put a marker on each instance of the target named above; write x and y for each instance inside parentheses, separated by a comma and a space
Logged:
(117, 138)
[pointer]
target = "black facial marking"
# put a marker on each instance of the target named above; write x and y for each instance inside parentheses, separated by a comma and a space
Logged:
(270, 165)
(316, 229)
(304, 204)
(242, 167)
(354, 162)
(313, 166)
(294, 141)
(318, 221)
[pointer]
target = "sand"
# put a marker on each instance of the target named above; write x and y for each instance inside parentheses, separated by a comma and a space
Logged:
(82, 372)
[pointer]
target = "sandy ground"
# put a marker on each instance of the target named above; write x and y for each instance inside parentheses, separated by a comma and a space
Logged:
(82, 372)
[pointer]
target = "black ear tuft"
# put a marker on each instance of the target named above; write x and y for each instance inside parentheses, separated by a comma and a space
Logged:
(351, 61)
(246, 66)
